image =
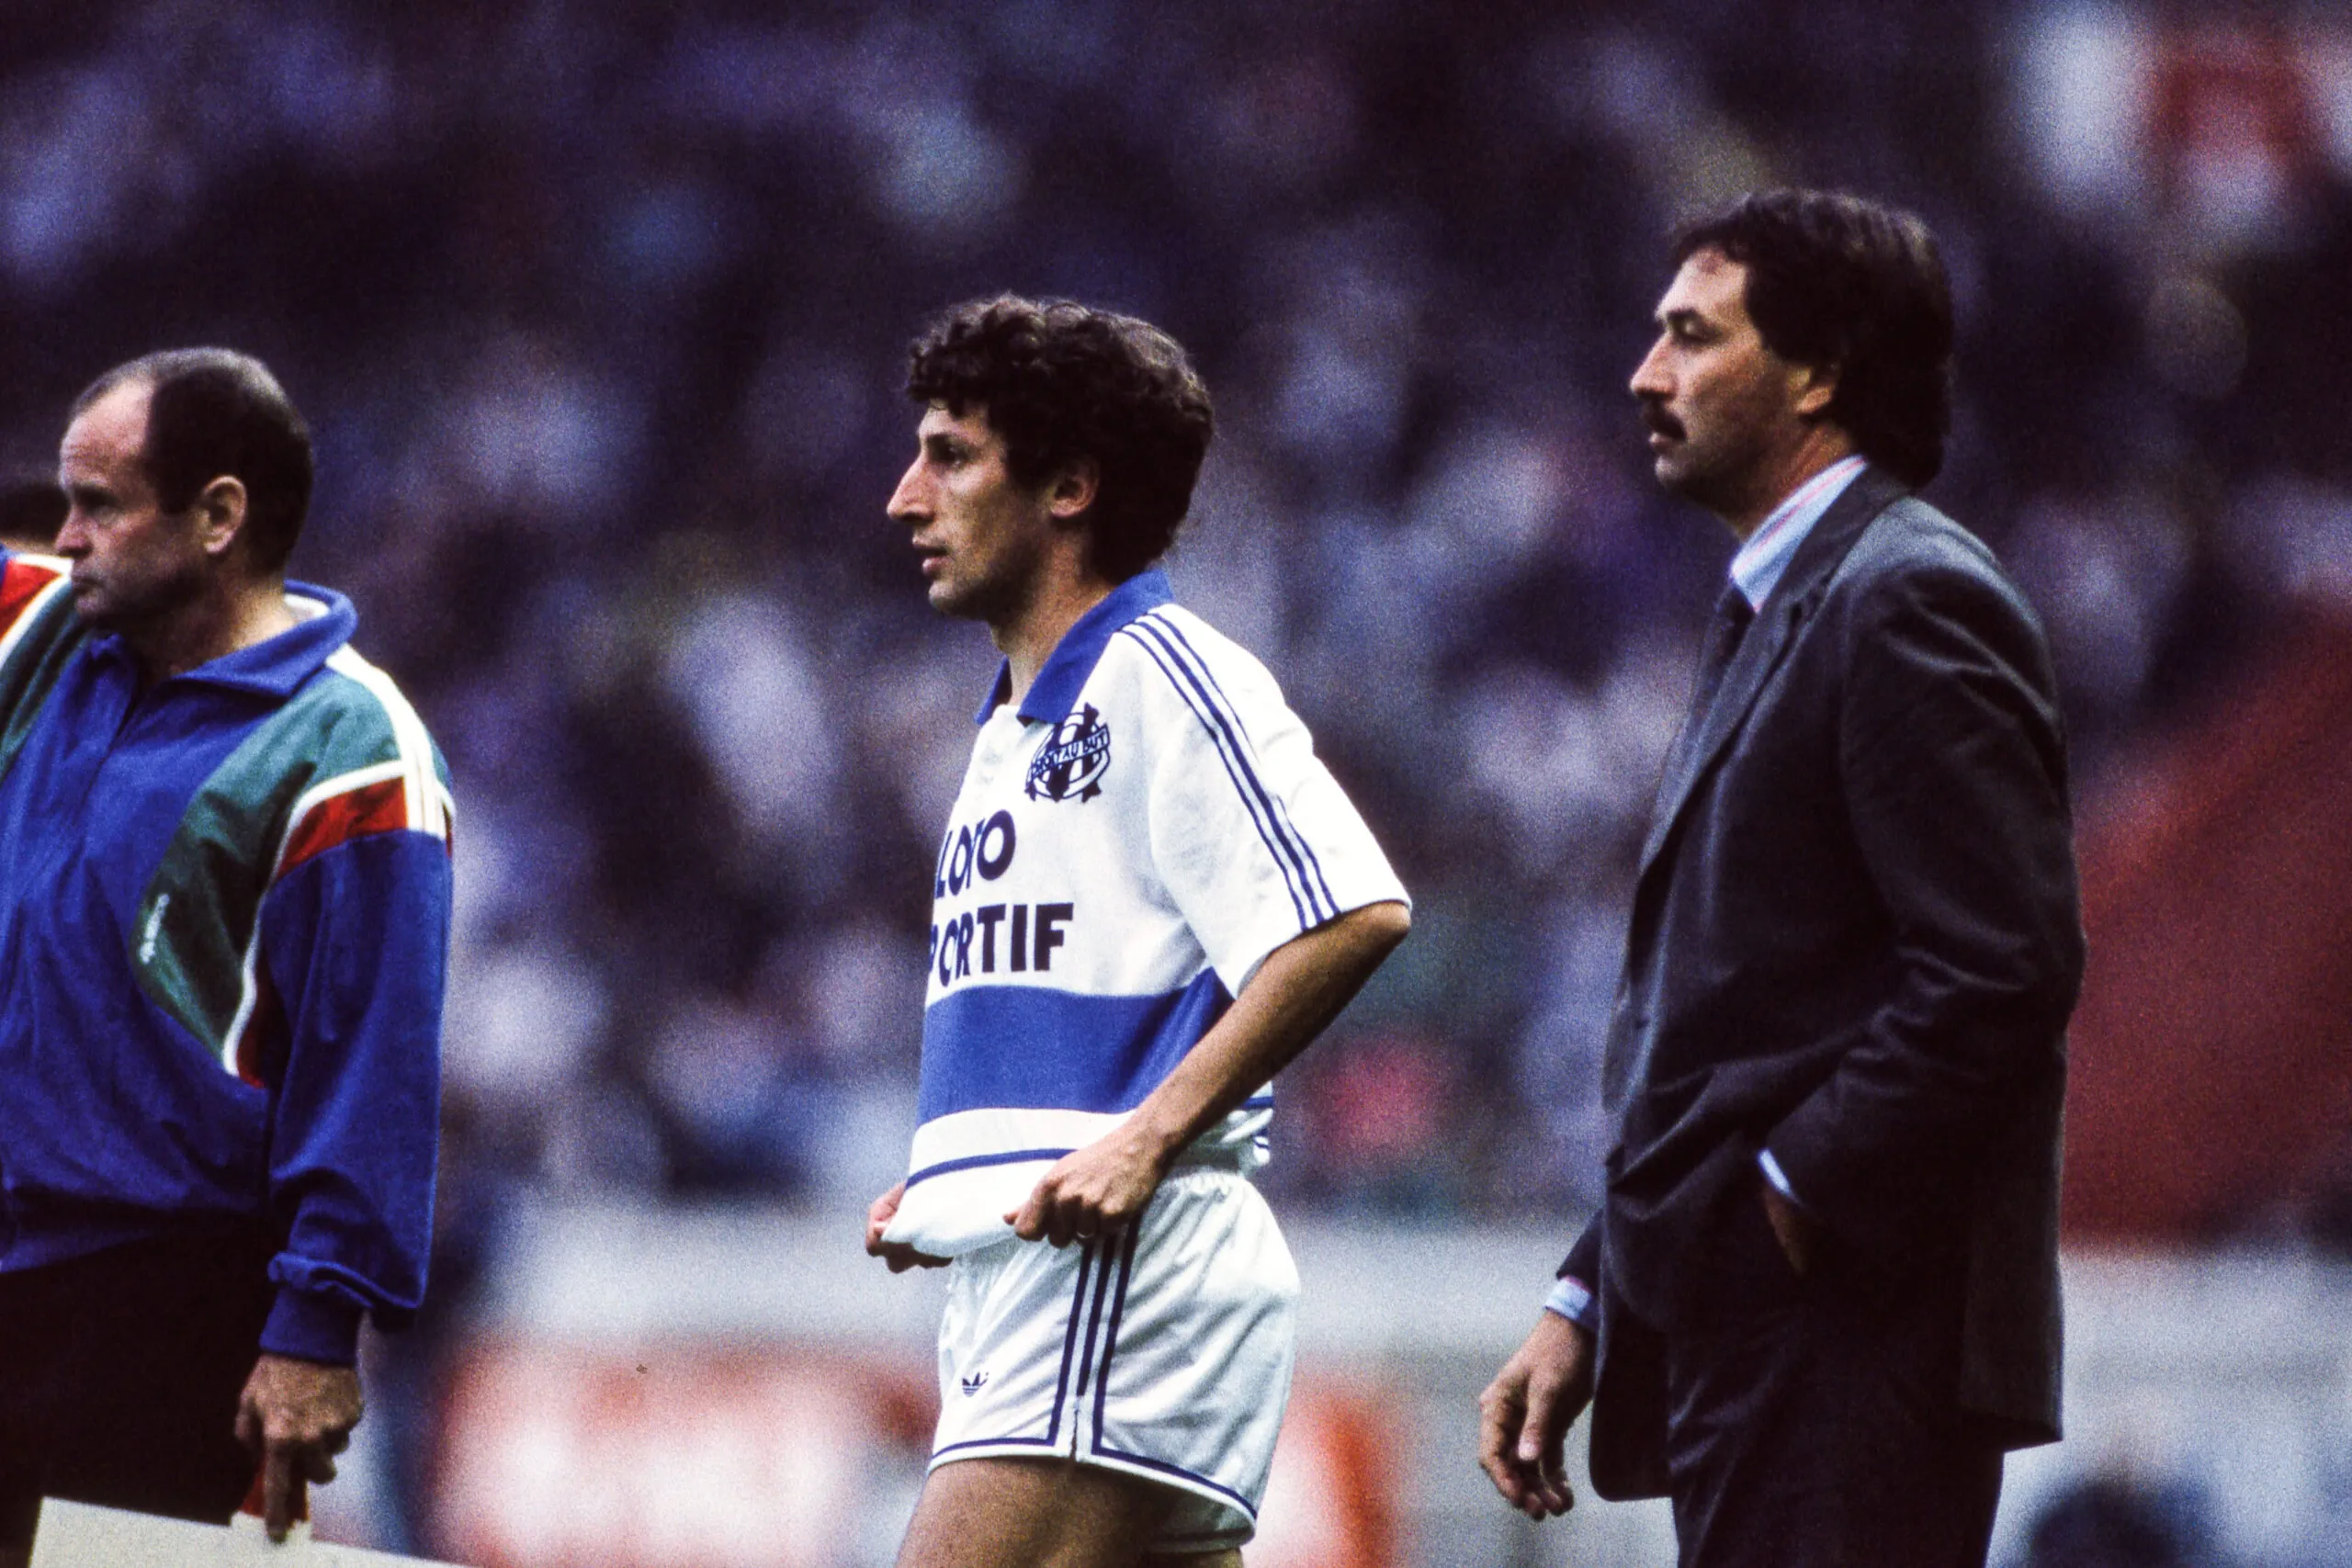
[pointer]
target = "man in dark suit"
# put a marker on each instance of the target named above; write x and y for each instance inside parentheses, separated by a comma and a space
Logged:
(1820, 1299)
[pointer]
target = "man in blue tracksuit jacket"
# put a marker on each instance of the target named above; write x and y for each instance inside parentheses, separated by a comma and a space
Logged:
(224, 914)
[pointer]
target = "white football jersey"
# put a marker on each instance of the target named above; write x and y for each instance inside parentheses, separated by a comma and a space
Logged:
(1130, 843)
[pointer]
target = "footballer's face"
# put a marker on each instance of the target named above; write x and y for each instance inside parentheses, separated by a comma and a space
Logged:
(985, 538)
(134, 563)
(1724, 410)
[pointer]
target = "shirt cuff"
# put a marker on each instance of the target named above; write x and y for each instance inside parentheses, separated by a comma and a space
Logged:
(1571, 1298)
(312, 1328)
(1779, 1177)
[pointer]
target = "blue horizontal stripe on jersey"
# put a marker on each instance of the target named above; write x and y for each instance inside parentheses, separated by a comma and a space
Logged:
(975, 1162)
(1027, 1047)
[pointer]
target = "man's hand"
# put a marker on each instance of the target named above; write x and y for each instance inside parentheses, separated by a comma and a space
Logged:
(1798, 1233)
(896, 1254)
(1093, 1191)
(296, 1416)
(1525, 1413)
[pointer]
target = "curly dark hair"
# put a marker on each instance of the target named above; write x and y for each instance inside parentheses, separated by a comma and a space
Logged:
(214, 413)
(1834, 279)
(1060, 382)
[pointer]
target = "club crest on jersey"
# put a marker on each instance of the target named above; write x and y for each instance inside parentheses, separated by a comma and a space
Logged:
(1070, 764)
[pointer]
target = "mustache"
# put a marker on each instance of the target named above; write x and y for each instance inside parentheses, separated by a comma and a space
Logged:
(1659, 422)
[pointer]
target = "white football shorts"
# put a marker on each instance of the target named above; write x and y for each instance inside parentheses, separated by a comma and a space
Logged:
(1165, 1353)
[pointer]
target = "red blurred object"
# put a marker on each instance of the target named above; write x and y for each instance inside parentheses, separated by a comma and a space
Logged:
(2211, 1069)
(706, 1453)
(2233, 92)
(1331, 1502)
(257, 1501)
(1382, 1101)
(679, 1453)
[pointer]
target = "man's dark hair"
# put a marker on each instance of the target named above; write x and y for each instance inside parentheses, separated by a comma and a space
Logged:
(1836, 281)
(214, 413)
(1061, 382)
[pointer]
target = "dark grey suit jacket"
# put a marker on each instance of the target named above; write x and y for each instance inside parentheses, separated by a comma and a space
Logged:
(1856, 941)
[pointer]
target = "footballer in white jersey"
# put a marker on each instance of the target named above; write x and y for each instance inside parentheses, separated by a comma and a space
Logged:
(1149, 896)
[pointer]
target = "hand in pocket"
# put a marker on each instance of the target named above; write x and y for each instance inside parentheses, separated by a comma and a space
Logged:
(1798, 1233)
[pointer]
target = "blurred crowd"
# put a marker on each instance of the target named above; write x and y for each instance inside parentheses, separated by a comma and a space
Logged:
(599, 313)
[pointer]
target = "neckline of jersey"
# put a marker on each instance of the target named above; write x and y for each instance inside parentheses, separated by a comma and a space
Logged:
(1063, 674)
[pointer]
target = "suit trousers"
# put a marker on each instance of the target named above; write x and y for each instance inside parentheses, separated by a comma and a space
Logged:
(1812, 1421)
(123, 1370)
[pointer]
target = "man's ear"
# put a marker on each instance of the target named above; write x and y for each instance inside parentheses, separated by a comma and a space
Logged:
(221, 515)
(1816, 388)
(1069, 492)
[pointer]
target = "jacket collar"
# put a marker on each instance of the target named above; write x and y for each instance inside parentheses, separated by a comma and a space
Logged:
(274, 667)
(1055, 690)
(1767, 551)
(1705, 735)
(1871, 491)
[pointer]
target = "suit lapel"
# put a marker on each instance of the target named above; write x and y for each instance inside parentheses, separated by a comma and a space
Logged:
(1705, 735)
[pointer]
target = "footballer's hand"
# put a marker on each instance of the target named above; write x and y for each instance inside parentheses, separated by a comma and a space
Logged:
(1525, 1413)
(296, 1416)
(1093, 1191)
(896, 1254)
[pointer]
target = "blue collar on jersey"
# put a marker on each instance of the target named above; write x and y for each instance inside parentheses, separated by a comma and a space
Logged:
(1055, 690)
(275, 665)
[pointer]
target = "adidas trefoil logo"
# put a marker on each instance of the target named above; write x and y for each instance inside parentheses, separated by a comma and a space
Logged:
(974, 1382)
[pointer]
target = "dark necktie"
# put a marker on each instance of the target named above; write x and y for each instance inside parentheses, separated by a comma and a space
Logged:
(1732, 616)
(1724, 629)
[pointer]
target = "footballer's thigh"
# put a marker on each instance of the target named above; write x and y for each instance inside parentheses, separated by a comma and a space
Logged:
(1032, 1512)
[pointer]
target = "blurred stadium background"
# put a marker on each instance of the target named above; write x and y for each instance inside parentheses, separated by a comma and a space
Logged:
(598, 311)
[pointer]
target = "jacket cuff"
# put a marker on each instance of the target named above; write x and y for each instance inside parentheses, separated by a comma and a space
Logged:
(312, 1328)
(1571, 1298)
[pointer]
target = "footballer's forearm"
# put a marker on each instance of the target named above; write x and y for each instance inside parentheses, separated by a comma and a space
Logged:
(1294, 995)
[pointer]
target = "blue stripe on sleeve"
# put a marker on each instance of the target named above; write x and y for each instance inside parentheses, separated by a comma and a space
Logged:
(1028, 1047)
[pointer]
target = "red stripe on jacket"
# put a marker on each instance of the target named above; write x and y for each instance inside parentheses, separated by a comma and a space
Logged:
(19, 584)
(379, 807)
(261, 1048)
